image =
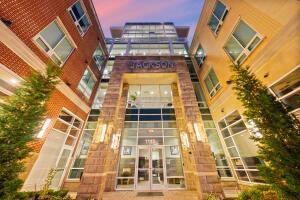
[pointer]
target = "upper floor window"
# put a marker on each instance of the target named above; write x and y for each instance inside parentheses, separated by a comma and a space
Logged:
(55, 43)
(79, 17)
(288, 91)
(87, 83)
(242, 42)
(99, 57)
(200, 55)
(212, 83)
(217, 17)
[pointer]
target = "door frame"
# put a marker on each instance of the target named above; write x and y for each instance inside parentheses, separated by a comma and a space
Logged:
(151, 186)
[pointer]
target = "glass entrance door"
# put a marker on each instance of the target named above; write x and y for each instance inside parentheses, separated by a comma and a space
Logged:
(150, 174)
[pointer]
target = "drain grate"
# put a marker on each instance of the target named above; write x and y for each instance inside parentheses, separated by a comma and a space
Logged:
(149, 194)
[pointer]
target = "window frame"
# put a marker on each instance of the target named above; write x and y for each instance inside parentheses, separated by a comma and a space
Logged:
(224, 14)
(103, 55)
(280, 98)
(245, 50)
(51, 51)
(86, 86)
(70, 11)
(216, 87)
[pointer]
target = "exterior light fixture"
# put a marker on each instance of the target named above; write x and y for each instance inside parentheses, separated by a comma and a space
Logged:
(44, 128)
(103, 131)
(115, 141)
(185, 139)
(197, 131)
(14, 81)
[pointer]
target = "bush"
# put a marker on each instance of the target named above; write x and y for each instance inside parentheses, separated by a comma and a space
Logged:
(259, 192)
(51, 195)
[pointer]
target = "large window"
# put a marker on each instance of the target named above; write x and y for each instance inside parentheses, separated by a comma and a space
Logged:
(242, 150)
(242, 42)
(87, 83)
(217, 17)
(79, 17)
(149, 49)
(99, 57)
(55, 43)
(200, 55)
(212, 83)
(288, 91)
(118, 50)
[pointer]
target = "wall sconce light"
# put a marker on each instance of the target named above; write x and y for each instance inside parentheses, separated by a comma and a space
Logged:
(197, 131)
(103, 131)
(44, 128)
(115, 141)
(185, 139)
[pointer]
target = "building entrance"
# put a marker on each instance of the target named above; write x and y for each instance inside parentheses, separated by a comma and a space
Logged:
(151, 168)
(150, 154)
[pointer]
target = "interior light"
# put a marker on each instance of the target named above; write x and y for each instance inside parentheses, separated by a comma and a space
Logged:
(197, 131)
(151, 92)
(44, 128)
(165, 92)
(103, 131)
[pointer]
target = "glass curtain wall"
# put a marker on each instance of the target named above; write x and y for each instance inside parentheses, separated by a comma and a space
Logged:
(209, 126)
(150, 155)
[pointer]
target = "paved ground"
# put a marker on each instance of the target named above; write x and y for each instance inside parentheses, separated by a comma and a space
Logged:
(168, 195)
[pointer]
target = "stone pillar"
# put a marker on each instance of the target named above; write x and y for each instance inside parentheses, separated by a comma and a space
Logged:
(100, 166)
(199, 165)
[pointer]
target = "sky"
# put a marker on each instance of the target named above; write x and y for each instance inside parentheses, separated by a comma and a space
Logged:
(118, 12)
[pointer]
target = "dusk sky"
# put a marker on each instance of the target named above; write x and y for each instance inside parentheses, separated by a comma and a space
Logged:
(117, 12)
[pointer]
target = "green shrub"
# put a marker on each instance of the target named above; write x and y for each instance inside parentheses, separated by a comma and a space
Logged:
(259, 192)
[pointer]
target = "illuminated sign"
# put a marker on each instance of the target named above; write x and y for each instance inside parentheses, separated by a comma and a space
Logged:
(151, 64)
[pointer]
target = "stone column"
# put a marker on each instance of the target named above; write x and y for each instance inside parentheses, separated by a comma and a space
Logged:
(100, 166)
(199, 165)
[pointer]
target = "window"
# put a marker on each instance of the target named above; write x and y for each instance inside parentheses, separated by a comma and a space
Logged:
(99, 57)
(212, 83)
(217, 17)
(79, 17)
(242, 150)
(288, 91)
(55, 43)
(242, 42)
(200, 56)
(87, 83)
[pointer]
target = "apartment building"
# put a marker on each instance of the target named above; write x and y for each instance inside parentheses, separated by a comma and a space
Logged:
(68, 34)
(263, 36)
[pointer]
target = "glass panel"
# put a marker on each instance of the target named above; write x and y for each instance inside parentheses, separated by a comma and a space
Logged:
(125, 183)
(150, 132)
(233, 152)
(242, 175)
(150, 141)
(224, 172)
(243, 33)
(150, 124)
(233, 48)
(77, 10)
(157, 176)
(234, 117)
(75, 173)
(59, 125)
(225, 133)
(229, 142)
(238, 127)
(42, 44)
(127, 167)
(143, 158)
(169, 124)
(63, 158)
(143, 178)
(84, 23)
(171, 141)
(170, 132)
(255, 177)
(246, 146)
(63, 49)
(293, 101)
(156, 157)
(213, 23)
(237, 163)
(254, 43)
(176, 183)
(219, 9)
(288, 84)
(52, 34)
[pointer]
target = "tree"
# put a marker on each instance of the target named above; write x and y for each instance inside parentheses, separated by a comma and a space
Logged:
(20, 115)
(279, 146)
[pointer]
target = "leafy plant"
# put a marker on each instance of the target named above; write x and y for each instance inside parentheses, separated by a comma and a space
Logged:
(259, 192)
(279, 146)
(20, 115)
(212, 196)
